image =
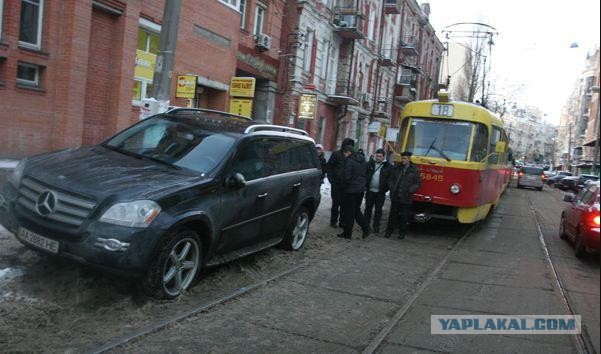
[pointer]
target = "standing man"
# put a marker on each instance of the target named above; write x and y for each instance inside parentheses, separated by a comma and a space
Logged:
(403, 182)
(335, 171)
(322, 160)
(378, 172)
(355, 180)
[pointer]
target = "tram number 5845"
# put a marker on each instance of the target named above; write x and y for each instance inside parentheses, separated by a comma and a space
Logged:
(445, 110)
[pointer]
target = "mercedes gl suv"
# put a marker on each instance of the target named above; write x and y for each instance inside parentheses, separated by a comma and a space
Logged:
(168, 196)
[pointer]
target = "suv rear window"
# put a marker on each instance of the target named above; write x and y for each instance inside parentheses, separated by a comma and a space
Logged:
(532, 170)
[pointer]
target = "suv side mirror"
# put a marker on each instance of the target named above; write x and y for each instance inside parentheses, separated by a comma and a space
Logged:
(236, 181)
(568, 198)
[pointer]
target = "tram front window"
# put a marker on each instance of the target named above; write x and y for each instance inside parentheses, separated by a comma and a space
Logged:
(449, 140)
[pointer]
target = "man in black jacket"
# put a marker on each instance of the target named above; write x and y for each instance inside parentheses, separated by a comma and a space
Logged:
(335, 172)
(378, 172)
(403, 182)
(354, 182)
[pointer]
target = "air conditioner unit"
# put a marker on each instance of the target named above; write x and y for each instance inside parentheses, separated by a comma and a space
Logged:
(262, 42)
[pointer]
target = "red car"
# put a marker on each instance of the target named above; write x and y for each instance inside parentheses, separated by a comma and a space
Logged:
(580, 219)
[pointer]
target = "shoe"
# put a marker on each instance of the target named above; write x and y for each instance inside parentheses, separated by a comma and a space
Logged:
(401, 236)
(388, 234)
(376, 230)
(365, 233)
(342, 235)
(333, 223)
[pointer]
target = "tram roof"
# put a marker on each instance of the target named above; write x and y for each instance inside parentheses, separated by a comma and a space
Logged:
(463, 110)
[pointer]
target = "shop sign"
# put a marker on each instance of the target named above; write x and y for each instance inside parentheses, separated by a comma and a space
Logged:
(241, 106)
(145, 63)
(186, 86)
(242, 87)
(307, 107)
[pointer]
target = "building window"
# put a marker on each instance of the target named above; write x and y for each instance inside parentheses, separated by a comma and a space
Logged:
(260, 12)
(231, 3)
(146, 53)
(243, 14)
(30, 30)
(1, 8)
(28, 74)
(308, 49)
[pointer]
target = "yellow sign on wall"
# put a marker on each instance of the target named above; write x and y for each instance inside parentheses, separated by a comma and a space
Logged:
(241, 106)
(242, 87)
(307, 106)
(186, 86)
(382, 131)
(145, 63)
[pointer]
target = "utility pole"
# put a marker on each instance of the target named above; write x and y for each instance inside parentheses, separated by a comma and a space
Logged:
(163, 70)
(569, 147)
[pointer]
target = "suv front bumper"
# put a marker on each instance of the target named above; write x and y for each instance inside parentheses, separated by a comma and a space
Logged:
(125, 251)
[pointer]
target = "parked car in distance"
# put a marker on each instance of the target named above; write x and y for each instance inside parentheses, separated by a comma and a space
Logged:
(575, 183)
(551, 181)
(530, 176)
(168, 196)
(580, 220)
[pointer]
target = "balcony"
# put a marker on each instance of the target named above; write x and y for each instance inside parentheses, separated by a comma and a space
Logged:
(405, 94)
(348, 23)
(409, 46)
(383, 109)
(392, 7)
(344, 94)
(387, 57)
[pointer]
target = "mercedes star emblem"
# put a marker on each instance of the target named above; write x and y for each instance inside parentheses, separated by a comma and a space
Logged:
(46, 203)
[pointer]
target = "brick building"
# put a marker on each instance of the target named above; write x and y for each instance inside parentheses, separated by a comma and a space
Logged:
(73, 73)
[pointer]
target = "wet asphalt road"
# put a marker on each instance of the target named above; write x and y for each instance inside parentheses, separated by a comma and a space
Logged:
(341, 296)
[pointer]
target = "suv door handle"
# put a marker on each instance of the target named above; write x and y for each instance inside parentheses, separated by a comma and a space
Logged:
(297, 184)
(262, 195)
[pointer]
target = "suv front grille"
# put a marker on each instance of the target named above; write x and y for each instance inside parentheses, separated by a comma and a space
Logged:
(68, 209)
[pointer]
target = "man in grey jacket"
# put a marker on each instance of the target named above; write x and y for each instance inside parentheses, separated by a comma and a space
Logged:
(403, 182)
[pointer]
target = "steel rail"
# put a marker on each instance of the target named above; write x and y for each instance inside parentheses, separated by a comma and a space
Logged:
(377, 341)
(579, 341)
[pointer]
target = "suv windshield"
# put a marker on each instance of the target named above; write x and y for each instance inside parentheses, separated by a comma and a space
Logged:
(173, 142)
(532, 170)
(437, 138)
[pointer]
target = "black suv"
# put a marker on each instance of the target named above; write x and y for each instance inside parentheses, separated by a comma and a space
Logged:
(169, 195)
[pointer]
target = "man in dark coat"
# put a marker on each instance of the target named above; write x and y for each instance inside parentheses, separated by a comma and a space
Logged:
(378, 173)
(403, 182)
(335, 173)
(354, 182)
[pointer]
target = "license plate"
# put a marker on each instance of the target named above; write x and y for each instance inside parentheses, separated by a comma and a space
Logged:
(37, 240)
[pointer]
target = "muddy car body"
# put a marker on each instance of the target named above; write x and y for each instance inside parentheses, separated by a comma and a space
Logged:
(168, 196)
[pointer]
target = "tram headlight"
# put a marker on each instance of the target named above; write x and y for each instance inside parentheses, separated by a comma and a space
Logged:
(455, 189)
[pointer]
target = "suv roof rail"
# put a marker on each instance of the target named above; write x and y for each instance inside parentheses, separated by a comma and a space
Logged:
(257, 127)
(187, 109)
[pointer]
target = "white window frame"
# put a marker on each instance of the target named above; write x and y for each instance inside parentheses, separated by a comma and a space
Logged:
(1, 15)
(36, 81)
(372, 23)
(242, 8)
(310, 34)
(38, 43)
(258, 28)
(148, 26)
(234, 4)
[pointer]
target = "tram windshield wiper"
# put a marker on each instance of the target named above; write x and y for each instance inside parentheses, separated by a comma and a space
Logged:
(441, 153)
(431, 146)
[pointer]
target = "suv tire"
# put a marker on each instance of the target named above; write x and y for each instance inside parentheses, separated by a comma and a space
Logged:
(297, 230)
(175, 266)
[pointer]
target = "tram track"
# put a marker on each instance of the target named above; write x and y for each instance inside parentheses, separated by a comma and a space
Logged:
(579, 339)
(402, 311)
(157, 326)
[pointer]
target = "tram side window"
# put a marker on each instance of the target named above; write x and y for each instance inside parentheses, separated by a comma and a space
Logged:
(494, 139)
(480, 144)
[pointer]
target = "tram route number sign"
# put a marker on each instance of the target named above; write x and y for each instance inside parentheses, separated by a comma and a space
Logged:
(445, 110)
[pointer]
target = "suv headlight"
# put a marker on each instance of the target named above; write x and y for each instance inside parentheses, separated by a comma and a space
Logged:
(17, 174)
(139, 213)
